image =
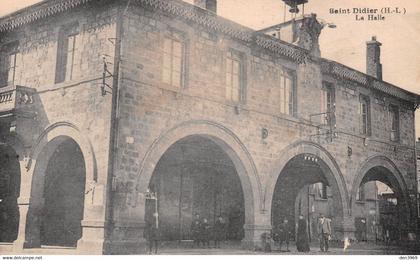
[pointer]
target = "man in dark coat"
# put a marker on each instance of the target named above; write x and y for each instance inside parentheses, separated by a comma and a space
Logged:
(302, 240)
(324, 229)
(205, 233)
(219, 231)
(195, 230)
(284, 234)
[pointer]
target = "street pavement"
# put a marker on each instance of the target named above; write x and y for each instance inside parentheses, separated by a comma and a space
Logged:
(356, 249)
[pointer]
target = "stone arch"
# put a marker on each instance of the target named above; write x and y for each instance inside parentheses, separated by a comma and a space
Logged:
(45, 146)
(395, 179)
(56, 132)
(226, 140)
(305, 147)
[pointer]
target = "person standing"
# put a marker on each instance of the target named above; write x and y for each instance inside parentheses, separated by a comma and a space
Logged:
(195, 229)
(284, 234)
(219, 231)
(324, 228)
(302, 240)
(205, 233)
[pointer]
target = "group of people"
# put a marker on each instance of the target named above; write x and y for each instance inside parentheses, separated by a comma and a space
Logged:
(202, 231)
(283, 232)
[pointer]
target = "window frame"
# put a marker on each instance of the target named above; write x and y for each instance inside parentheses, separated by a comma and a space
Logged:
(174, 36)
(287, 74)
(62, 61)
(323, 189)
(233, 56)
(394, 109)
(361, 194)
(7, 51)
(365, 125)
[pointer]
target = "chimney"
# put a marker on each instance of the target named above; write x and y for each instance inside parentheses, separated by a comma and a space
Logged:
(210, 5)
(373, 58)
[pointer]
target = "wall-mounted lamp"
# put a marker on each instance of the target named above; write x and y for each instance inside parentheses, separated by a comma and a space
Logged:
(349, 151)
(264, 133)
(365, 141)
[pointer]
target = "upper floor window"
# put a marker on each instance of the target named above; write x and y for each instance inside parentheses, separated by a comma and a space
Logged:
(173, 60)
(234, 71)
(327, 102)
(394, 123)
(9, 65)
(67, 47)
(360, 195)
(364, 111)
(321, 190)
(287, 92)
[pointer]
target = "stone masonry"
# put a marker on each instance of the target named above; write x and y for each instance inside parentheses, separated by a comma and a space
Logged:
(123, 134)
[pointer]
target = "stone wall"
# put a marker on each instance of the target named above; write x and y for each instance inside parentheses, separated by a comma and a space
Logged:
(150, 109)
(73, 109)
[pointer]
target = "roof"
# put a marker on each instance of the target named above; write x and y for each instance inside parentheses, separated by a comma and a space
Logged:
(200, 16)
(341, 71)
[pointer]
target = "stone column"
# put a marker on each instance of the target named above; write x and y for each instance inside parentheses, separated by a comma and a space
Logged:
(126, 234)
(93, 223)
(253, 232)
(19, 243)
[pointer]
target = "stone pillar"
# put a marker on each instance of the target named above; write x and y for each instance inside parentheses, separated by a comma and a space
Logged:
(127, 238)
(92, 241)
(94, 223)
(253, 232)
(126, 235)
(19, 243)
(345, 228)
(33, 223)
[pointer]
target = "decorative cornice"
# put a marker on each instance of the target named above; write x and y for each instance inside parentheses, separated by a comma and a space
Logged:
(36, 12)
(281, 48)
(201, 17)
(343, 72)
(174, 7)
(234, 30)
(217, 23)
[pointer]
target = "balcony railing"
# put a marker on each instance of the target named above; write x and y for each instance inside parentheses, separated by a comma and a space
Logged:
(15, 99)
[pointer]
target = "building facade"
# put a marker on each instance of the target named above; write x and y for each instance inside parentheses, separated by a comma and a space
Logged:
(103, 102)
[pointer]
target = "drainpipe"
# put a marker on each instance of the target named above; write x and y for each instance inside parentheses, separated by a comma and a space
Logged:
(114, 127)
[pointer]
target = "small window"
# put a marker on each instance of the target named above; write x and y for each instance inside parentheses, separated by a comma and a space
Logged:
(394, 123)
(360, 196)
(10, 63)
(173, 60)
(328, 103)
(321, 190)
(67, 47)
(234, 81)
(287, 92)
(364, 111)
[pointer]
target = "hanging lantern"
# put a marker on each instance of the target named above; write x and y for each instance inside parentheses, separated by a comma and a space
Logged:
(294, 10)
(294, 5)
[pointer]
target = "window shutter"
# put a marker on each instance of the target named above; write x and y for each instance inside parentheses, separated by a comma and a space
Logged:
(62, 46)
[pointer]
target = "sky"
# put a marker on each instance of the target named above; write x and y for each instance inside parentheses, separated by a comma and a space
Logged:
(398, 33)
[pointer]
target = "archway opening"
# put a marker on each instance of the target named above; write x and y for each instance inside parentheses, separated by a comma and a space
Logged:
(380, 210)
(9, 193)
(196, 176)
(64, 192)
(306, 186)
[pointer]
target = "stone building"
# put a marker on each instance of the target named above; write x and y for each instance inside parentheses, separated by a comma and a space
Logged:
(103, 102)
